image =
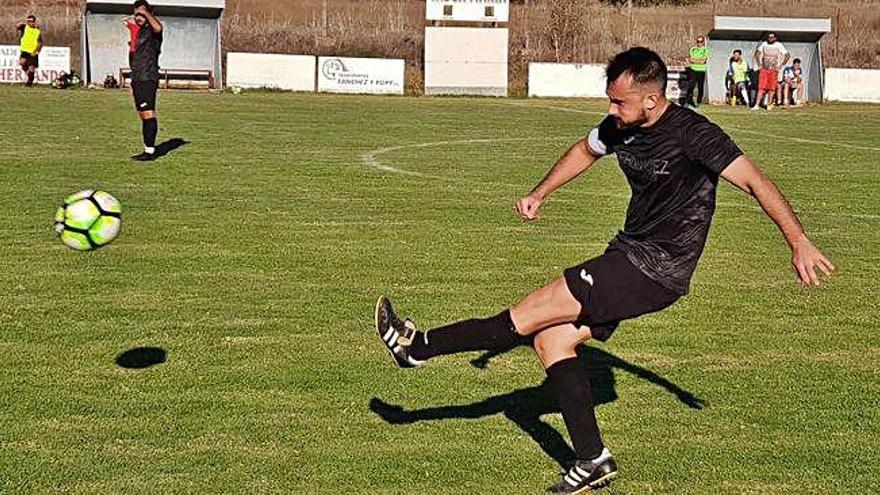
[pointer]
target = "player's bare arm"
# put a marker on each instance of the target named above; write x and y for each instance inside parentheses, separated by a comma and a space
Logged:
(154, 23)
(574, 162)
(805, 257)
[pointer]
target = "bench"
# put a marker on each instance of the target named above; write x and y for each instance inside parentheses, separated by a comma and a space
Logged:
(175, 78)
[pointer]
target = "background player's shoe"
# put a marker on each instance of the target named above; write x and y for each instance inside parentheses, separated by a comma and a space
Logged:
(144, 157)
(585, 476)
(396, 335)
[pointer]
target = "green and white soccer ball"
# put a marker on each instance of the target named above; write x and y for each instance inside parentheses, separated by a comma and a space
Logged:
(88, 220)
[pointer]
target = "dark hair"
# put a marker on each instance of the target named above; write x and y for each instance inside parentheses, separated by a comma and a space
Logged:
(644, 65)
(771, 33)
(31, 16)
(738, 51)
(796, 61)
(143, 3)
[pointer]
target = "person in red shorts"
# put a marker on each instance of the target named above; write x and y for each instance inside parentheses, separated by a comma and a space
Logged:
(771, 57)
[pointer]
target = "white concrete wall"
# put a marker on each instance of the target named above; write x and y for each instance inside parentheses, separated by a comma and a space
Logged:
(468, 10)
(262, 70)
(567, 80)
(465, 61)
(858, 85)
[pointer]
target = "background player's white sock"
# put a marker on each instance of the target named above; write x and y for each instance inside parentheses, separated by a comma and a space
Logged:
(604, 455)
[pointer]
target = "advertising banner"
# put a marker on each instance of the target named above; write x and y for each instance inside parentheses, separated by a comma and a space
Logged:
(53, 61)
(361, 75)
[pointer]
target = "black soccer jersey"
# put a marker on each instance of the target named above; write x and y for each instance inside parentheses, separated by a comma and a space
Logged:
(144, 61)
(672, 168)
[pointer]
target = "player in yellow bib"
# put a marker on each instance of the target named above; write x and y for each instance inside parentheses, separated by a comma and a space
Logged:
(739, 78)
(30, 44)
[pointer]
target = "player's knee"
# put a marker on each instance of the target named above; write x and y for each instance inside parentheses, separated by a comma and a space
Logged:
(560, 341)
(540, 344)
(149, 114)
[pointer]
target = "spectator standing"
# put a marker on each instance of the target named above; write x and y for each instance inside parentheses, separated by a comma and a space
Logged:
(771, 56)
(698, 57)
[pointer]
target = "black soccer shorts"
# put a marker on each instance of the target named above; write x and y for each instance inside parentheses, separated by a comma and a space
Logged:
(144, 93)
(611, 289)
(30, 60)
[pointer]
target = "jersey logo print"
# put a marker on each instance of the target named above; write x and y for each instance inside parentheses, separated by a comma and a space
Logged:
(586, 277)
(661, 167)
(629, 140)
(643, 170)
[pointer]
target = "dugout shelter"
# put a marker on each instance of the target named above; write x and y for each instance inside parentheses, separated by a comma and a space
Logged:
(190, 48)
(800, 36)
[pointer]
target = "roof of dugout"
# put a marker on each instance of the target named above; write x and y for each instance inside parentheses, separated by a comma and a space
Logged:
(188, 8)
(788, 28)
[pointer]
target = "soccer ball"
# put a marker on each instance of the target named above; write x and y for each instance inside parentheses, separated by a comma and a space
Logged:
(88, 220)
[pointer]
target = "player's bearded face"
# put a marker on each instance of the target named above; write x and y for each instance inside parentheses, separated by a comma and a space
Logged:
(628, 103)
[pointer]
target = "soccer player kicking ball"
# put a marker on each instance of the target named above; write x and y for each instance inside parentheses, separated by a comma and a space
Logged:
(143, 56)
(672, 158)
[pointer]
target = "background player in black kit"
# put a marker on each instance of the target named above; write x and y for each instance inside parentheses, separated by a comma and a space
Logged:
(143, 55)
(672, 158)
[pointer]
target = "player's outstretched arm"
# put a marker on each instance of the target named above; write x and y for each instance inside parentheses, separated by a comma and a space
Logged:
(574, 162)
(805, 258)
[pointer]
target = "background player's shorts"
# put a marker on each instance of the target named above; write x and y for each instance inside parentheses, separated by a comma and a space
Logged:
(30, 60)
(144, 93)
(768, 79)
(611, 289)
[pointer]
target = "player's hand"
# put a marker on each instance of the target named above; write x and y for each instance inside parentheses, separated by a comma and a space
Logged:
(806, 258)
(527, 207)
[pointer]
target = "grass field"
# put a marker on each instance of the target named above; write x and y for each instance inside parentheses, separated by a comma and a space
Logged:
(253, 255)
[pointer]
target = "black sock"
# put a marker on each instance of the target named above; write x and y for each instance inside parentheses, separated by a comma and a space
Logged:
(571, 386)
(150, 128)
(497, 332)
(30, 79)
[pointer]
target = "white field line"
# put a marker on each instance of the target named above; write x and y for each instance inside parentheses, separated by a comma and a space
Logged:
(370, 160)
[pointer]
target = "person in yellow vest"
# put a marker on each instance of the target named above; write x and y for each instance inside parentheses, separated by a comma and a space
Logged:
(30, 44)
(698, 56)
(739, 74)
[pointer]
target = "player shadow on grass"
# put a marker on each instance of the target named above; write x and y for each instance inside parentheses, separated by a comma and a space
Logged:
(168, 146)
(526, 406)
